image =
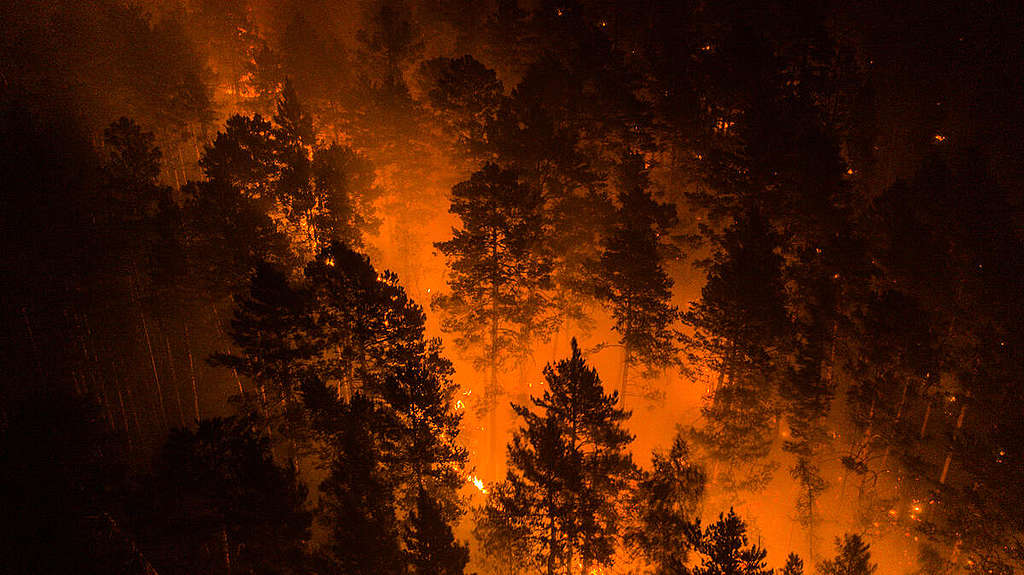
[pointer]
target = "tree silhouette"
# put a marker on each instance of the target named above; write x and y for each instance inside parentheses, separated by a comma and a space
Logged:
(344, 370)
(853, 557)
(632, 275)
(740, 330)
(217, 500)
(794, 565)
(665, 504)
(568, 469)
(500, 268)
(726, 552)
(432, 548)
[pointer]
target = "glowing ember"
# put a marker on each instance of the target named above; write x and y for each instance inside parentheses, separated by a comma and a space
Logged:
(478, 483)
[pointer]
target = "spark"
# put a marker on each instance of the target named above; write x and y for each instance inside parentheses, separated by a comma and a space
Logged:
(939, 138)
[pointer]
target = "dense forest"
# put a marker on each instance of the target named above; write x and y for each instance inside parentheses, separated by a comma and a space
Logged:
(442, 287)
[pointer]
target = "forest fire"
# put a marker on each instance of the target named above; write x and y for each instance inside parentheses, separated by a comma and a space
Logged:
(419, 287)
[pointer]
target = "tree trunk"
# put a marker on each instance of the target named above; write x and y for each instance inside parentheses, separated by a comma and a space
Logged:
(927, 416)
(551, 542)
(492, 393)
(624, 383)
(949, 454)
(192, 374)
(226, 547)
(174, 383)
(152, 362)
(224, 336)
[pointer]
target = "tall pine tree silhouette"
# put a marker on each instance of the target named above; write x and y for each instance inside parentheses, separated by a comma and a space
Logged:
(740, 329)
(568, 468)
(632, 275)
(499, 267)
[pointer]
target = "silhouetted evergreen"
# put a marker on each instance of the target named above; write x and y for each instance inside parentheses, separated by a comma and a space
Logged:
(568, 469)
(632, 276)
(740, 331)
(726, 551)
(666, 503)
(432, 549)
(853, 557)
(500, 266)
(217, 501)
(794, 565)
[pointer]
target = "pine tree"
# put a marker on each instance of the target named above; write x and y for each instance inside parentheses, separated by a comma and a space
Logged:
(812, 485)
(568, 469)
(632, 275)
(218, 501)
(432, 549)
(467, 96)
(740, 329)
(726, 552)
(357, 498)
(499, 268)
(131, 171)
(794, 565)
(345, 350)
(665, 504)
(292, 141)
(853, 557)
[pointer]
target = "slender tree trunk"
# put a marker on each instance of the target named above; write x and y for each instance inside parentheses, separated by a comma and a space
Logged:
(192, 374)
(492, 395)
(152, 362)
(624, 383)
(552, 543)
(224, 336)
(927, 416)
(898, 418)
(32, 342)
(810, 526)
(124, 417)
(174, 382)
(227, 548)
(949, 454)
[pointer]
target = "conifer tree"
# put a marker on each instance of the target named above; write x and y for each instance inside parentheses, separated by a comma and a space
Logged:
(665, 504)
(358, 499)
(568, 469)
(218, 502)
(725, 549)
(740, 329)
(499, 268)
(632, 275)
(345, 350)
(853, 557)
(432, 549)
(794, 565)
(811, 485)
